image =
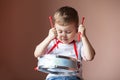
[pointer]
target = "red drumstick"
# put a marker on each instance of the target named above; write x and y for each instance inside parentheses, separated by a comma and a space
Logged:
(51, 22)
(52, 26)
(83, 19)
(36, 68)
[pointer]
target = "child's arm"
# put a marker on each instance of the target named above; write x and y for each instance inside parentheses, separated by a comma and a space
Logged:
(41, 48)
(87, 47)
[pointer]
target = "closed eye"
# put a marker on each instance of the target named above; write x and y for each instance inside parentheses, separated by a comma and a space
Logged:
(68, 32)
(59, 31)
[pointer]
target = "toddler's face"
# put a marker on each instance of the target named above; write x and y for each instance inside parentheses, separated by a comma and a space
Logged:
(66, 34)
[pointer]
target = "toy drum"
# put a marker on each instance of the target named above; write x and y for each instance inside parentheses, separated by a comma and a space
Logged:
(57, 64)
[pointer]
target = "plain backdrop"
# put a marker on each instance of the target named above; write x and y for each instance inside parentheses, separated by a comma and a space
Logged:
(24, 24)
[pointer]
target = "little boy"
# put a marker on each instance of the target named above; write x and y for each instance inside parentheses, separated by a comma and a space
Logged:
(66, 27)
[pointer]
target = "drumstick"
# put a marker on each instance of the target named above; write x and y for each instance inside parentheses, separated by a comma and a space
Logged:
(51, 22)
(52, 26)
(36, 68)
(79, 33)
(83, 19)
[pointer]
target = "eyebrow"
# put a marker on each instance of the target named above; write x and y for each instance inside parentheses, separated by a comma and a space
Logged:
(66, 30)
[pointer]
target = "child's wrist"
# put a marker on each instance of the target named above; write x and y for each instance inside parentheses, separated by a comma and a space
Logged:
(49, 38)
(83, 36)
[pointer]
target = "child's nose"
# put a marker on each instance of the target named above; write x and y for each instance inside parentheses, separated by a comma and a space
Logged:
(63, 34)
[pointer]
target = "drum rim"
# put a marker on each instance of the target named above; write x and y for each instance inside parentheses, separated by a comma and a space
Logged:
(60, 56)
(47, 70)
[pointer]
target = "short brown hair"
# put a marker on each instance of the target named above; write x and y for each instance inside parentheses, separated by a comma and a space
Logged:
(66, 15)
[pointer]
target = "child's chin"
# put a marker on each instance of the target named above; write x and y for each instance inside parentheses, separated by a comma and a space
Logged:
(65, 42)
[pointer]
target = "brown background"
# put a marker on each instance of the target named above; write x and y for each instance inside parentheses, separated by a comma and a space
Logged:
(24, 23)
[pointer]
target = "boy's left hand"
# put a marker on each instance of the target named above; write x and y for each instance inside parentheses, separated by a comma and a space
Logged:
(81, 30)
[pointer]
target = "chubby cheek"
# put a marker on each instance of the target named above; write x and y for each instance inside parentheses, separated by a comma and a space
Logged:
(59, 37)
(72, 37)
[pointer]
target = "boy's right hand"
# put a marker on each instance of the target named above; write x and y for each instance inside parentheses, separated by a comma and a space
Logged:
(52, 33)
